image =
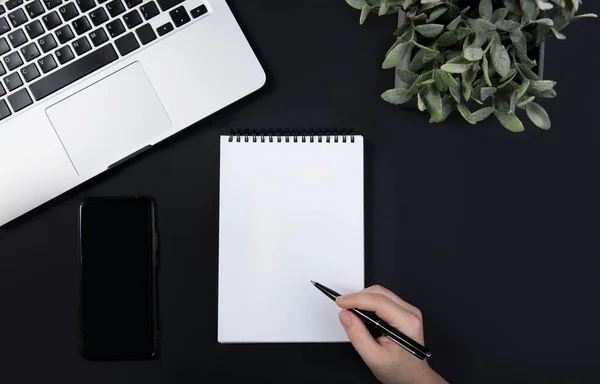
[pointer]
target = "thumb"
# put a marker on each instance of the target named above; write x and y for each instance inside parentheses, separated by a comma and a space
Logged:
(360, 337)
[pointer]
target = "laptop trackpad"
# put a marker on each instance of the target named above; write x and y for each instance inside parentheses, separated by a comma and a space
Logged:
(109, 120)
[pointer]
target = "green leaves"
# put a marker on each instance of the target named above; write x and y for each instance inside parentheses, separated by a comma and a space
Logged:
(483, 27)
(433, 101)
(487, 92)
(430, 30)
(544, 5)
(558, 35)
(509, 121)
(475, 117)
(436, 14)
(447, 39)
(384, 7)
(455, 68)
(397, 54)
(473, 53)
(528, 7)
(500, 59)
(396, 96)
(364, 13)
(465, 57)
(485, 9)
(407, 76)
(357, 4)
(446, 78)
(538, 115)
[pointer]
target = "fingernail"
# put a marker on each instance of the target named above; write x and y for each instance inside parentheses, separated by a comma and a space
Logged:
(339, 298)
(345, 319)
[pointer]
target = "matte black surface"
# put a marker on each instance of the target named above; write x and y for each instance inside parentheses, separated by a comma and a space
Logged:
(117, 279)
(494, 235)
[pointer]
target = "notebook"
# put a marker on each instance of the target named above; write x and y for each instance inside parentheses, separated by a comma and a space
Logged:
(291, 211)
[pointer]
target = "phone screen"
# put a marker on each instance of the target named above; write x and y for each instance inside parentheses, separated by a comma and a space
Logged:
(118, 309)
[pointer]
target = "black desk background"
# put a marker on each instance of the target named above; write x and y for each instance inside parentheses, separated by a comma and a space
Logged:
(492, 234)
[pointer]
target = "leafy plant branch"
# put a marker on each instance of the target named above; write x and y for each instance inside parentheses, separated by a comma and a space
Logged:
(479, 61)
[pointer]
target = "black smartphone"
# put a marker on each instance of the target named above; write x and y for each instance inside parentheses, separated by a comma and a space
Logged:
(118, 266)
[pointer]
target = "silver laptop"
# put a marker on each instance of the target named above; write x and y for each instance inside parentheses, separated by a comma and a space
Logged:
(88, 83)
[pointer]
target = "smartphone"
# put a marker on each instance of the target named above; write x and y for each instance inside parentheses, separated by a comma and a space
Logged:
(118, 266)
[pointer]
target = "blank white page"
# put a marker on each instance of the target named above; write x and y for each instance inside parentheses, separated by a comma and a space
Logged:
(289, 213)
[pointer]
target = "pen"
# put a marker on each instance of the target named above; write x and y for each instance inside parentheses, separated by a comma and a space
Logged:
(370, 318)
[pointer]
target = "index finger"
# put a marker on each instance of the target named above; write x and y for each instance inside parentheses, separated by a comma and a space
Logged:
(395, 298)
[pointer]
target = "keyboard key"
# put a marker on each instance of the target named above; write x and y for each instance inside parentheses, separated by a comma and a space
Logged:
(146, 34)
(47, 43)
(164, 29)
(126, 44)
(98, 37)
(17, 38)
(199, 11)
(17, 17)
(34, 29)
(73, 72)
(30, 72)
(34, 9)
(133, 3)
(101, 1)
(168, 4)
(30, 52)
(64, 34)
(85, 5)
(2, 71)
(52, 3)
(47, 63)
(4, 111)
(3, 46)
(12, 61)
(132, 19)
(149, 10)
(98, 16)
(115, 8)
(4, 26)
(179, 16)
(115, 28)
(68, 11)
(11, 4)
(2, 10)
(51, 20)
(81, 25)
(20, 100)
(12, 81)
(81, 45)
(2, 91)
(64, 54)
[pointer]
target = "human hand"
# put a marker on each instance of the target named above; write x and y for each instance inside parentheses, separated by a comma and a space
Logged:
(388, 361)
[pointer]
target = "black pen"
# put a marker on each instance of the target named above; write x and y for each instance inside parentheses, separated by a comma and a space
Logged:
(370, 318)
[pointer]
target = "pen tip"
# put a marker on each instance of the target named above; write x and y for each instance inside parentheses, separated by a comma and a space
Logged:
(313, 282)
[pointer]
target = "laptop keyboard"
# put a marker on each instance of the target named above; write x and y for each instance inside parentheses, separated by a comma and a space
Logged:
(45, 45)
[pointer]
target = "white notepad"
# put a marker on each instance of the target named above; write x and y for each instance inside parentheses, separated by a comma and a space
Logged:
(290, 212)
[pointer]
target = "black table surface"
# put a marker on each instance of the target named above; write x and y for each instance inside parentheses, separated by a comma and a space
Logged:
(494, 235)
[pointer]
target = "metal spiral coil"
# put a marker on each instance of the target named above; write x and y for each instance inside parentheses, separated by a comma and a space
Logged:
(294, 136)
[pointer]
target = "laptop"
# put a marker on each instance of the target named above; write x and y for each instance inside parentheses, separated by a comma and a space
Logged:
(86, 84)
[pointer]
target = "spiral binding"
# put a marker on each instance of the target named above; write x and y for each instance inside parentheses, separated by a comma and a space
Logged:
(312, 136)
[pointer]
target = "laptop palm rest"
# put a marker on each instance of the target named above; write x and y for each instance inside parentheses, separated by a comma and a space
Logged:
(108, 121)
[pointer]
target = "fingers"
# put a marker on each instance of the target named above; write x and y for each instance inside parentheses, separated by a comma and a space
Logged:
(386, 309)
(386, 292)
(360, 337)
